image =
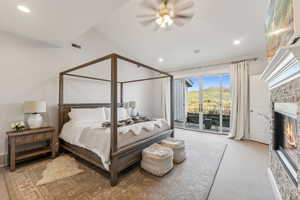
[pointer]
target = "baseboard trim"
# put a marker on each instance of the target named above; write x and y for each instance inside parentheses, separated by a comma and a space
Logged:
(3, 160)
(272, 180)
(259, 141)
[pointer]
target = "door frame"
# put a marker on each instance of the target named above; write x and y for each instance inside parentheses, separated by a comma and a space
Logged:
(200, 101)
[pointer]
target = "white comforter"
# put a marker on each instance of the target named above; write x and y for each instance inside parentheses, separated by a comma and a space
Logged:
(96, 138)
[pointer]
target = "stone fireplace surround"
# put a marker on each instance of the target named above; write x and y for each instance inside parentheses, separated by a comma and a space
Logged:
(283, 78)
(287, 93)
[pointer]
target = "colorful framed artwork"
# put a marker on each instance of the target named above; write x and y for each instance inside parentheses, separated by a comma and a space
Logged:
(279, 25)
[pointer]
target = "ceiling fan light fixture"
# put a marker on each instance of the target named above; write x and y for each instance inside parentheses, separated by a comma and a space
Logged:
(23, 8)
(167, 12)
(164, 21)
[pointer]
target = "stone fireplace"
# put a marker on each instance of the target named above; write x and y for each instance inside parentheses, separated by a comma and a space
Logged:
(283, 78)
(285, 142)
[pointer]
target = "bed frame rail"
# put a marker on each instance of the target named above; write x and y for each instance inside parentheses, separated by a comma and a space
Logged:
(122, 159)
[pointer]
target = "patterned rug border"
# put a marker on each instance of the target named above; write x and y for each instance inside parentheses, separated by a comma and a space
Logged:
(13, 193)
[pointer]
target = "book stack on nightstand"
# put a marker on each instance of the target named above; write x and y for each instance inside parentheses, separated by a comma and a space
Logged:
(30, 136)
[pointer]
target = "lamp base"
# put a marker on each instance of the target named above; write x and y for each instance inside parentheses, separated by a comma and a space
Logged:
(133, 112)
(35, 120)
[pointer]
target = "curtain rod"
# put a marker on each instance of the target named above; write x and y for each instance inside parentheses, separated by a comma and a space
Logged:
(212, 65)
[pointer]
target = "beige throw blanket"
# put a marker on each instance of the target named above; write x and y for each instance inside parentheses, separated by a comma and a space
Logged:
(97, 139)
(137, 128)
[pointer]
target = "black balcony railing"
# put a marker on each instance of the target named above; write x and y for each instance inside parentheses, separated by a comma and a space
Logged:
(209, 119)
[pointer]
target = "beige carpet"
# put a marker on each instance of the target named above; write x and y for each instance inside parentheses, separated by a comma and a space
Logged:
(190, 180)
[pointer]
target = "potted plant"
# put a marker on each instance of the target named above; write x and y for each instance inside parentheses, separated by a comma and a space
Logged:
(18, 126)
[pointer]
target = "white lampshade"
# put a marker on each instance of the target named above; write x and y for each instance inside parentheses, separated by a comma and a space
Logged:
(132, 104)
(34, 106)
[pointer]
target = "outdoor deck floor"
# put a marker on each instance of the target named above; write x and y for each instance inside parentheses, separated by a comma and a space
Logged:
(195, 127)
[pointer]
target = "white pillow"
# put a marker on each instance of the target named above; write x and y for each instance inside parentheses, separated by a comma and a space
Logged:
(129, 110)
(87, 115)
(122, 114)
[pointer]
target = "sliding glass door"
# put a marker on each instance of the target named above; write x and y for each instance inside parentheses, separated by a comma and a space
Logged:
(193, 104)
(226, 103)
(211, 103)
(216, 102)
(208, 100)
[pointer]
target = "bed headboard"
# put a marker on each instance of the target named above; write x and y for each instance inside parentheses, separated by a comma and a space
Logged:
(64, 109)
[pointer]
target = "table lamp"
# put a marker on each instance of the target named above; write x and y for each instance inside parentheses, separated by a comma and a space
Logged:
(34, 108)
(132, 105)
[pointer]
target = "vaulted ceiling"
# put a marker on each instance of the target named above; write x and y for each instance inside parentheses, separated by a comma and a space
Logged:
(213, 29)
(54, 21)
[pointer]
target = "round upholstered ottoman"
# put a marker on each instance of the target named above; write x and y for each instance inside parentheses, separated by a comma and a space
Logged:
(178, 148)
(157, 160)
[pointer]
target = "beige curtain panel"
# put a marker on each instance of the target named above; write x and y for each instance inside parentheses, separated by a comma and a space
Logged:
(240, 118)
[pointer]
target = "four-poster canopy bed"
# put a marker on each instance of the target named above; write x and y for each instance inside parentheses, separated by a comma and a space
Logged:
(120, 157)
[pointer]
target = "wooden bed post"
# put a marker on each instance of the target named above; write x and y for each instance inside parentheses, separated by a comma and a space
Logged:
(114, 121)
(121, 93)
(60, 101)
(172, 103)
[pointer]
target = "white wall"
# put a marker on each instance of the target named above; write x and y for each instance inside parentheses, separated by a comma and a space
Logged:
(157, 98)
(202, 71)
(257, 67)
(29, 71)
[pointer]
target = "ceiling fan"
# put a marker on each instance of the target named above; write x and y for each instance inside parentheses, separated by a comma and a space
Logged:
(165, 13)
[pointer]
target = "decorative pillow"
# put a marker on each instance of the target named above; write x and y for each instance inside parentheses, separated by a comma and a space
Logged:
(122, 114)
(87, 115)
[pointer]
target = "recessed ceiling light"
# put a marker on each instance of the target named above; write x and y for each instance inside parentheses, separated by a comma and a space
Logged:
(236, 42)
(160, 60)
(23, 8)
(197, 51)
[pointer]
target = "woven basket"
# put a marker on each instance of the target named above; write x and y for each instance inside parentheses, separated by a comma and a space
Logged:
(178, 148)
(157, 160)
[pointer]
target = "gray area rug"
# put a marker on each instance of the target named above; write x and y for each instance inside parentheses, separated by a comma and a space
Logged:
(189, 180)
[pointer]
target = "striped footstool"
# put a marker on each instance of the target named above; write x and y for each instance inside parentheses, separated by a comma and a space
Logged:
(178, 148)
(157, 160)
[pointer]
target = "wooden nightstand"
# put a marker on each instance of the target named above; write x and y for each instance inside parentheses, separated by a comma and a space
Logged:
(30, 136)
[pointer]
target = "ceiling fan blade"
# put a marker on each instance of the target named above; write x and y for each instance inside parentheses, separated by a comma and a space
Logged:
(158, 2)
(184, 6)
(151, 6)
(145, 16)
(178, 22)
(185, 16)
(148, 21)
